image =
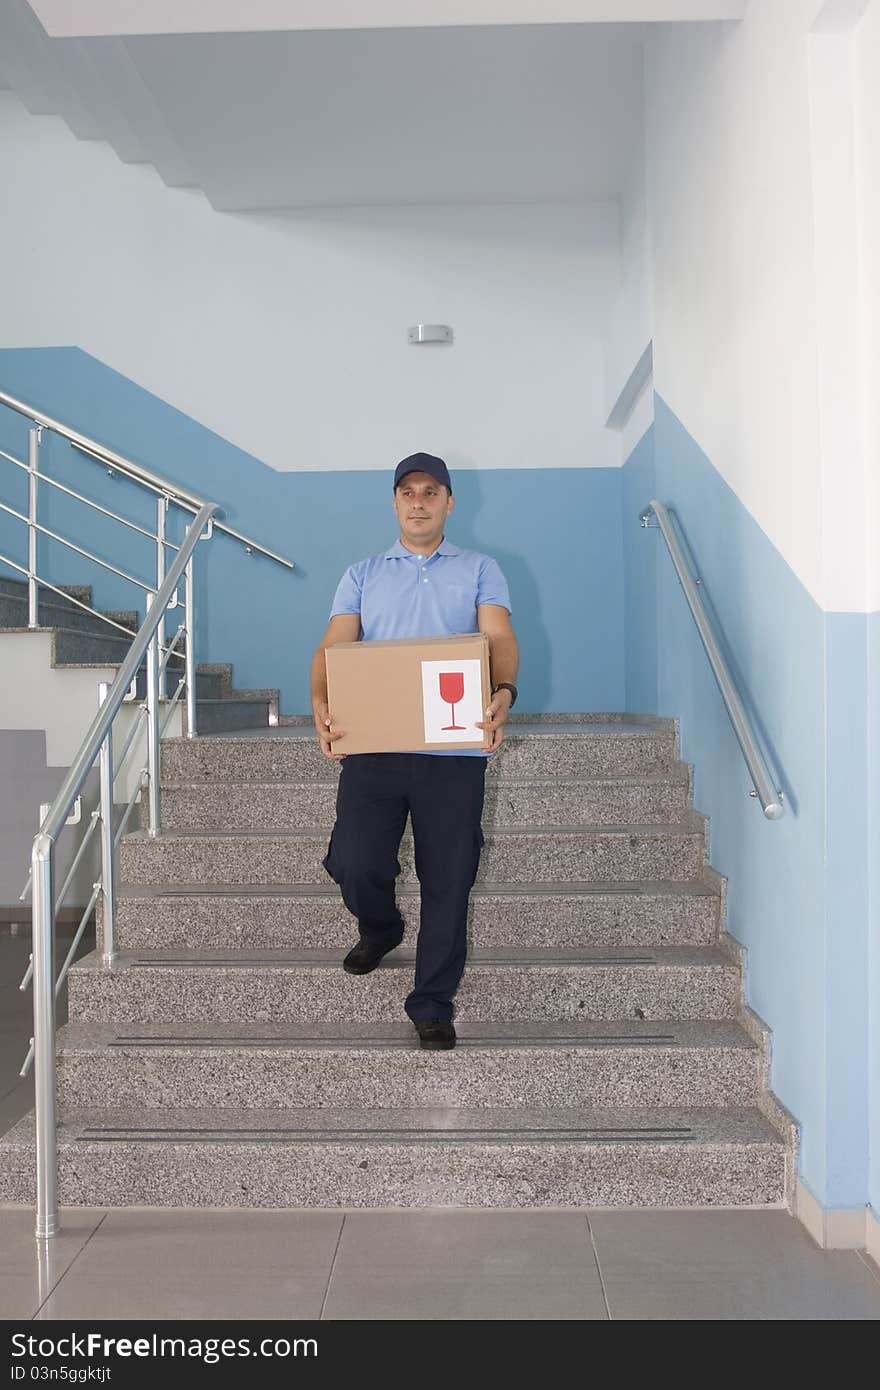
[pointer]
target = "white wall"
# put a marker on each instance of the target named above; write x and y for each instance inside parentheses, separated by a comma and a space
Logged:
(62, 702)
(287, 333)
(755, 136)
(867, 88)
(834, 130)
(729, 186)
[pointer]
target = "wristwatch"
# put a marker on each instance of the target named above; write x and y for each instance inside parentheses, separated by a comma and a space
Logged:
(505, 685)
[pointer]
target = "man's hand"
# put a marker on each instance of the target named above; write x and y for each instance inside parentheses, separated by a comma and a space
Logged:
(494, 620)
(345, 627)
(496, 718)
(326, 735)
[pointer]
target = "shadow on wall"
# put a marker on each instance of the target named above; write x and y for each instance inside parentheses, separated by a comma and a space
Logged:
(466, 530)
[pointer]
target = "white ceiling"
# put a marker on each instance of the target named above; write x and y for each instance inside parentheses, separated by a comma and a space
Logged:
(325, 118)
(93, 17)
(304, 117)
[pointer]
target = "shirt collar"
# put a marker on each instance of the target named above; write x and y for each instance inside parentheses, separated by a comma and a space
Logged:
(398, 550)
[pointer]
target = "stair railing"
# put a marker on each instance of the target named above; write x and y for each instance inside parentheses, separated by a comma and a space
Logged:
(166, 493)
(762, 781)
(97, 743)
(102, 818)
(148, 642)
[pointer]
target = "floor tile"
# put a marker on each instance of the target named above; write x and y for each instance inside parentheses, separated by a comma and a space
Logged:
(211, 1264)
(465, 1265)
(726, 1266)
(29, 1269)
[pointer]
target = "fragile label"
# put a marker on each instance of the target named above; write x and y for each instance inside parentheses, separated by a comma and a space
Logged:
(452, 701)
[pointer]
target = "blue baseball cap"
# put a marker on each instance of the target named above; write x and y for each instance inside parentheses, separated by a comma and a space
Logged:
(423, 463)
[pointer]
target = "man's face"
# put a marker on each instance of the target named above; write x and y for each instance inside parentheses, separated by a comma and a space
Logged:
(422, 506)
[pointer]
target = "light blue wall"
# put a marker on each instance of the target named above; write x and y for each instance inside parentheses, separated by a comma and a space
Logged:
(847, 903)
(797, 888)
(555, 532)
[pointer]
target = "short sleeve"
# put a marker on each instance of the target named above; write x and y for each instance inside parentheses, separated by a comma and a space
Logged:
(347, 598)
(491, 584)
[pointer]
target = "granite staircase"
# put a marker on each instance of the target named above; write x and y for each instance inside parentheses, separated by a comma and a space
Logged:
(605, 1054)
(85, 639)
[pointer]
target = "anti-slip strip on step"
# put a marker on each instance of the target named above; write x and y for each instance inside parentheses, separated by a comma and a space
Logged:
(659, 888)
(730, 1125)
(675, 776)
(600, 729)
(378, 1136)
(406, 1044)
(404, 959)
(688, 823)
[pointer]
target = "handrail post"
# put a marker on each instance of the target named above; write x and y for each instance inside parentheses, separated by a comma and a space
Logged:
(155, 824)
(189, 618)
(161, 519)
(43, 942)
(34, 437)
(108, 856)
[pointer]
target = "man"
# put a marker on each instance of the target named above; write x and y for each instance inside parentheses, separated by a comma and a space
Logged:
(424, 586)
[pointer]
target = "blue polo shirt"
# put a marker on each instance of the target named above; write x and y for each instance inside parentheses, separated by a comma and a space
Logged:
(399, 594)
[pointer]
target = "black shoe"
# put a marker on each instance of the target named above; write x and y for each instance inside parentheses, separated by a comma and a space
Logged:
(437, 1034)
(363, 957)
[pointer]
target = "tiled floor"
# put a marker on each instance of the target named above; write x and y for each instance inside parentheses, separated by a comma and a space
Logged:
(156, 1264)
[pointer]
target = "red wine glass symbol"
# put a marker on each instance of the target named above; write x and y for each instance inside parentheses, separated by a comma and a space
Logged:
(451, 691)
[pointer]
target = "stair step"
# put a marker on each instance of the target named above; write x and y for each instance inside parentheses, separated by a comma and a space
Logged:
(18, 588)
(280, 1066)
(226, 1058)
(549, 854)
(291, 753)
(76, 648)
(408, 1157)
(209, 685)
(533, 801)
(699, 982)
(232, 712)
(570, 915)
(54, 612)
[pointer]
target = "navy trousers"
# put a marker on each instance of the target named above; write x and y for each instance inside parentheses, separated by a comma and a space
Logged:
(444, 798)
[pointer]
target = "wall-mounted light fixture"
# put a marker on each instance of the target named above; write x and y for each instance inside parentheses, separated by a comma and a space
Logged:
(430, 333)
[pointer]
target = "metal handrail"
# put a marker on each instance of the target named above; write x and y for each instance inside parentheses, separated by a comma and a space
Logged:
(71, 545)
(145, 476)
(117, 772)
(96, 506)
(86, 608)
(771, 799)
(95, 818)
(96, 613)
(97, 741)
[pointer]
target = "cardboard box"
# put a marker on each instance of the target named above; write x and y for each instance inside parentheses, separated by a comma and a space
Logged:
(411, 695)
